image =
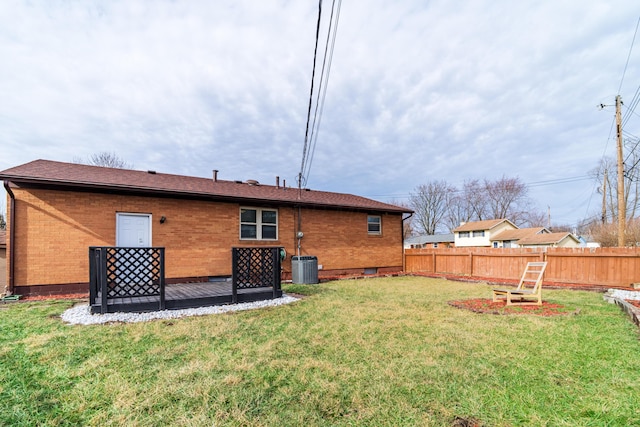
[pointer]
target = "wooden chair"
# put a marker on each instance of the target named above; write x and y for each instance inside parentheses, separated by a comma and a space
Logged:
(522, 295)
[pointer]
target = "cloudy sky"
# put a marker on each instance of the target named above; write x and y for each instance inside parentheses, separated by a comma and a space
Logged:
(418, 90)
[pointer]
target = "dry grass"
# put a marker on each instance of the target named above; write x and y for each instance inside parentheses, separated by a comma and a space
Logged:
(368, 352)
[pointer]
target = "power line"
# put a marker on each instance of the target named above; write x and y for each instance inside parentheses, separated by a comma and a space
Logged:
(313, 77)
(324, 83)
(531, 184)
(631, 108)
(629, 55)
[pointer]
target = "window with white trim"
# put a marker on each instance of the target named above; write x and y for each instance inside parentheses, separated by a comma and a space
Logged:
(374, 224)
(478, 233)
(463, 234)
(258, 224)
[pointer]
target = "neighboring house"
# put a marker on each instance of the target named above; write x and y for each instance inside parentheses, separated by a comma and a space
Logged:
(511, 238)
(479, 233)
(3, 260)
(587, 242)
(556, 240)
(61, 209)
(429, 241)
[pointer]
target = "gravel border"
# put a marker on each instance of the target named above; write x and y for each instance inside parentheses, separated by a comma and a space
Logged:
(622, 294)
(621, 298)
(81, 314)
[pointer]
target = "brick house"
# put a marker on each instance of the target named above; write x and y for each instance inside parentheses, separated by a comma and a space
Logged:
(57, 210)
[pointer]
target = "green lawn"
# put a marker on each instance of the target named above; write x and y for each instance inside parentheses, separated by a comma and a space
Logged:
(385, 352)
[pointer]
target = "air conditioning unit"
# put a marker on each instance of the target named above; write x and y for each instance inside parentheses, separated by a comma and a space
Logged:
(304, 269)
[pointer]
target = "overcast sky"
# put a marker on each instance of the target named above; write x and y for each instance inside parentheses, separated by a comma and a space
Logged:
(418, 90)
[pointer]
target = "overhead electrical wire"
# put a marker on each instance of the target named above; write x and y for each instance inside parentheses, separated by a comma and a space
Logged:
(312, 128)
(324, 83)
(313, 77)
(630, 109)
(629, 55)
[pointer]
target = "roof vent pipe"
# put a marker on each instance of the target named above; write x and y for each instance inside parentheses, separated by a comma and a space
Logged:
(215, 175)
(277, 181)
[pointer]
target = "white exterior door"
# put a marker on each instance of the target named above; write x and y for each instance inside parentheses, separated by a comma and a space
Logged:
(133, 230)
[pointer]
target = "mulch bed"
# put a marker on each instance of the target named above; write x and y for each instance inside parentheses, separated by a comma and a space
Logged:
(486, 305)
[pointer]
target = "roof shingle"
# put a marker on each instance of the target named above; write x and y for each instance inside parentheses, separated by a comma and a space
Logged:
(47, 172)
(518, 234)
(546, 238)
(481, 225)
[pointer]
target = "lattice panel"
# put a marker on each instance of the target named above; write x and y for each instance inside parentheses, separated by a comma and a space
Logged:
(133, 272)
(256, 267)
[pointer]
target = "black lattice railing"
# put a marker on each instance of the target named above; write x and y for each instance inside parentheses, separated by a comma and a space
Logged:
(256, 267)
(126, 272)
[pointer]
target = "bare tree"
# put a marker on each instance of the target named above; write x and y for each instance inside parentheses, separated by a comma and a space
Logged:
(567, 228)
(532, 217)
(475, 200)
(407, 225)
(469, 204)
(458, 211)
(431, 203)
(605, 234)
(607, 167)
(105, 159)
(505, 196)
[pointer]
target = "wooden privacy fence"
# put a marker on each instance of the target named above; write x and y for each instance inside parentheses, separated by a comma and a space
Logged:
(619, 267)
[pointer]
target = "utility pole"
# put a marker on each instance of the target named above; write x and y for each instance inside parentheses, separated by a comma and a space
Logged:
(622, 211)
(604, 197)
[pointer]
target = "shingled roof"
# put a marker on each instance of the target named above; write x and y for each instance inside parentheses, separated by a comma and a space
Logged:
(487, 224)
(547, 238)
(519, 233)
(77, 176)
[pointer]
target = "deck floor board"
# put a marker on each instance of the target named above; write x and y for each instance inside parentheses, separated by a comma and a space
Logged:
(187, 295)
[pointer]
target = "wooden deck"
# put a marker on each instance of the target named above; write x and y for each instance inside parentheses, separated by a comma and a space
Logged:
(187, 295)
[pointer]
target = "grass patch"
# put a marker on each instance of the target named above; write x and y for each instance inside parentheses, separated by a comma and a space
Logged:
(384, 351)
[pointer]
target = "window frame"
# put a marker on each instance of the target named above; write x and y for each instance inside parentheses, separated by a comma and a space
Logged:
(464, 234)
(478, 233)
(258, 223)
(379, 224)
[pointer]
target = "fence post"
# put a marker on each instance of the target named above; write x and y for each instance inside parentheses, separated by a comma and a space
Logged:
(102, 275)
(93, 291)
(433, 261)
(275, 255)
(162, 283)
(470, 263)
(234, 275)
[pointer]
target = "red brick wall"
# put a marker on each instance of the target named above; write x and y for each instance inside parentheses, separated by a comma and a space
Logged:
(55, 228)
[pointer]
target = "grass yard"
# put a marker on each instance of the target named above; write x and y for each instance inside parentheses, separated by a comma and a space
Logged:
(374, 352)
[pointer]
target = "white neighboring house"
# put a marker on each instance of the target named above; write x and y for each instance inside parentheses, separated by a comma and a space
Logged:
(479, 233)
(511, 238)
